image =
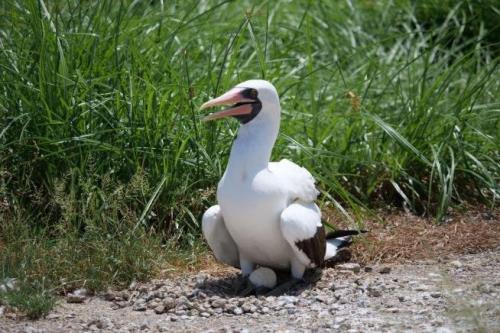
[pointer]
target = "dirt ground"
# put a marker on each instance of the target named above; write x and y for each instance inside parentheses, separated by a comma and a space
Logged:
(407, 274)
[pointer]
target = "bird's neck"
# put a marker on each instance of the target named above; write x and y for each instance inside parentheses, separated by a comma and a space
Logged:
(252, 148)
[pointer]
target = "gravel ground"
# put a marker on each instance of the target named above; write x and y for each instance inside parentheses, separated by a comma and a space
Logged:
(454, 294)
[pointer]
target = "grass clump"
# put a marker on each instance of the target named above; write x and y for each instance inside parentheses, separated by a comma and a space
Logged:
(33, 299)
(105, 167)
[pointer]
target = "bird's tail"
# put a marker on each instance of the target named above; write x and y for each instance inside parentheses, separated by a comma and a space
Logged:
(338, 239)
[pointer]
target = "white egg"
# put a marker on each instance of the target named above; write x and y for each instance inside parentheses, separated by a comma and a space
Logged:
(263, 277)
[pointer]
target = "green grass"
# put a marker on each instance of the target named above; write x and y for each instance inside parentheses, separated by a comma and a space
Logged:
(105, 167)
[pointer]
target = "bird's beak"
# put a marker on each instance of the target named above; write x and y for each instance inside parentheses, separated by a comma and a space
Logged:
(241, 105)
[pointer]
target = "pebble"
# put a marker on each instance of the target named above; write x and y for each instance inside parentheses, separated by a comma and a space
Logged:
(336, 300)
(159, 309)
(139, 306)
(384, 270)
(72, 298)
(436, 294)
(350, 266)
(374, 292)
(237, 311)
(218, 303)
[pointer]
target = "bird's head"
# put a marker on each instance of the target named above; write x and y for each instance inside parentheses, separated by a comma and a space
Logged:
(249, 100)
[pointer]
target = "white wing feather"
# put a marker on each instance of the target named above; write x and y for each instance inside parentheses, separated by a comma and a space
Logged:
(300, 222)
(218, 238)
(300, 183)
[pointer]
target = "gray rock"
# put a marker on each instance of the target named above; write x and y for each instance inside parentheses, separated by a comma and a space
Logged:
(248, 307)
(350, 266)
(169, 303)
(81, 292)
(159, 309)
(374, 292)
(139, 306)
(218, 303)
(75, 298)
(101, 323)
(237, 311)
(384, 270)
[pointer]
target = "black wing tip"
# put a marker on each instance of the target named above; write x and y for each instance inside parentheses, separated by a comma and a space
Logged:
(343, 233)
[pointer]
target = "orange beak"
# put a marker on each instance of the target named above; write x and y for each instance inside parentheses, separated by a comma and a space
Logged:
(233, 96)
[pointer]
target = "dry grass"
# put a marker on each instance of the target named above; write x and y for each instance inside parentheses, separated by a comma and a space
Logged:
(403, 237)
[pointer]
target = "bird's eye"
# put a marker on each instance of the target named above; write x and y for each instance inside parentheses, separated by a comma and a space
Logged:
(253, 93)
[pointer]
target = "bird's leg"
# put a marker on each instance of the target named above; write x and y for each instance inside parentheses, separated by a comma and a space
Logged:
(242, 285)
(297, 269)
(246, 265)
(249, 288)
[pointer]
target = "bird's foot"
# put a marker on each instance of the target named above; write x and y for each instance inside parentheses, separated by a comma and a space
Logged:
(284, 287)
(242, 286)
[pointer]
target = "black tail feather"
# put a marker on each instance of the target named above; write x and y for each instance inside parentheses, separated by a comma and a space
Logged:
(343, 233)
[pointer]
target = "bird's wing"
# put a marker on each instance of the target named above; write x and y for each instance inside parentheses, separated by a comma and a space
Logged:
(301, 227)
(218, 238)
(298, 181)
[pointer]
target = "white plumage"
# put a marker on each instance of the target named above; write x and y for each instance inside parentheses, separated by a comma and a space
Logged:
(266, 214)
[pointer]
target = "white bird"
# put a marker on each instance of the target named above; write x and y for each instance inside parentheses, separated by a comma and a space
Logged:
(266, 214)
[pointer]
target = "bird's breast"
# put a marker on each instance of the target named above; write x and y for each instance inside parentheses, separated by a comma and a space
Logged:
(258, 194)
(251, 210)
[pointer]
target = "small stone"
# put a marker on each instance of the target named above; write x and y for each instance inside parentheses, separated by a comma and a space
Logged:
(81, 292)
(237, 311)
(159, 309)
(74, 298)
(50, 316)
(119, 305)
(100, 323)
(30, 329)
(401, 299)
(385, 270)
(140, 306)
(350, 266)
(110, 296)
(152, 305)
(205, 314)
(373, 292)
(436, 294)
(124, 294)
(218, 303)
(421, 287)
(456, 263)
(247, 307)
(2, 310)
(168, 303)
